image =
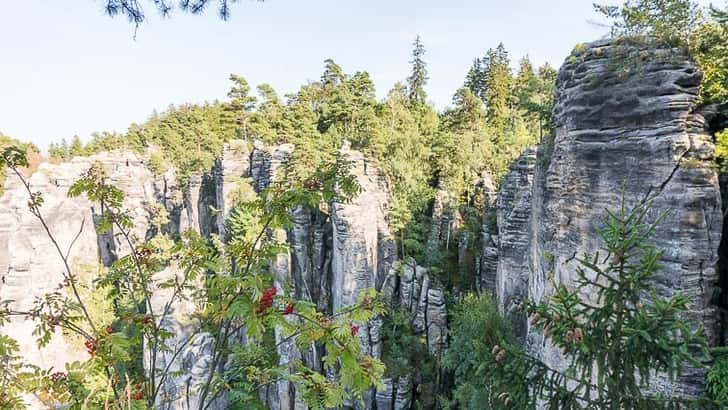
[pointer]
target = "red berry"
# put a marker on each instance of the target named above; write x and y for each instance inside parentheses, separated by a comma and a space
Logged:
(354, 329)
(289, 309)
(90, 346)
(266, 300)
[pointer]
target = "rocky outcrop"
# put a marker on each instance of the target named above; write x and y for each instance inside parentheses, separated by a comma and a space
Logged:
(362, 247)
(625, 121)
(444, 222)
(409, 288)
(230, 173)
(514, 217)
(487, 263)
(187, 362)
(30, 266)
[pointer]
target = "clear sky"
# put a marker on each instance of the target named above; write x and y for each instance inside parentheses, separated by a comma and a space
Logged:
(67, 69)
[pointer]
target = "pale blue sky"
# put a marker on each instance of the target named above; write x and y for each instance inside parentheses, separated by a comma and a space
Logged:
(67, 69)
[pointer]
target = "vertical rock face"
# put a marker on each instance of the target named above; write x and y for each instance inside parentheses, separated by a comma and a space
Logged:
(409, 288)
(514, 215)
(444, 221)
(487, 265)
(230, 168)
(190, 353)
(363, 250)
(30, 265)
(624, 118)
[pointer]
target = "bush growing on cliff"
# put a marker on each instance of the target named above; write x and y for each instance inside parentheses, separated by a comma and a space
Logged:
(717, 377)
(612, 345)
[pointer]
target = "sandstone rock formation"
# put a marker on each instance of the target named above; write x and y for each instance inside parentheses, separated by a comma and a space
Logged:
(409, 288)
(30, 266)
(625, 121)
(336, 251)
(514, 216)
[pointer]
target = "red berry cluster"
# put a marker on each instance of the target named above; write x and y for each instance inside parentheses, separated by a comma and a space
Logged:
(58, 377)
(138, 392)
(289, 309)
(266, 300)
(90, 346)
(354, 329)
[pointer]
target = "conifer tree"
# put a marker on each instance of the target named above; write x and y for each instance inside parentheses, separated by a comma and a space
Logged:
(475, 79)
(241, 103)
(76, 148)
(418, 75)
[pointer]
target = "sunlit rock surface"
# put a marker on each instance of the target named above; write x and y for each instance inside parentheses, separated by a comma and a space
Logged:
(625, 121)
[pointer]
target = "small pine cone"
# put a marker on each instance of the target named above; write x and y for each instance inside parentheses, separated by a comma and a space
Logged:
(578, 335)
(500, 356)
(535, 318)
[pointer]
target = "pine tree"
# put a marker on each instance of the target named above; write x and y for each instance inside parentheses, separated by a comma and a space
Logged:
(418, 76)
(497, 95)
(475, 80)
(76, 148)
(63, 151)
(241, 103)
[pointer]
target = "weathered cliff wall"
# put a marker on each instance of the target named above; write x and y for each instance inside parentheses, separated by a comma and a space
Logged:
(625, 120)
(336, 250)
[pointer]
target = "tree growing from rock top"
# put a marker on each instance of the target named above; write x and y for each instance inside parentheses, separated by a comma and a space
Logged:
(671, 20)
(418, 75)
(241, 103)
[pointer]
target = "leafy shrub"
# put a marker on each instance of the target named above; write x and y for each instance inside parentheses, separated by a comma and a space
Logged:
(476, 329)
(717, 377)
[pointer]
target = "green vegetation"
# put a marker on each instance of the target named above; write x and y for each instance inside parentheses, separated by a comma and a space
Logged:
(420, 151)
(685, 24)
(612, 347)
(5, 142)
(134, 11)
(476, 329)
(717, 378)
